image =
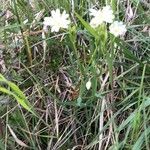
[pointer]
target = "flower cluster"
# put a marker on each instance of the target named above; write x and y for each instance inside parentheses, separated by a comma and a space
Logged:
(100, 16)
(105, 15)
(59, 20)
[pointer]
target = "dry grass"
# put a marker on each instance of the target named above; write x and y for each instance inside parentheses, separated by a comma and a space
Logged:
(112, 115)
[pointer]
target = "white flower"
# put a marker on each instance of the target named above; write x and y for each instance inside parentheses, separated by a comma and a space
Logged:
(107, 14)
(46, 21)
(94, 12)
(57, 20)
(88, 85)
(95, 23)
(97, 18)
(117, 28)
(100, 16)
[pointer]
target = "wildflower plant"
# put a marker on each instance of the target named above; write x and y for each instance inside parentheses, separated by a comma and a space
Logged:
(102, 26)
(87, 83)
(105, 15)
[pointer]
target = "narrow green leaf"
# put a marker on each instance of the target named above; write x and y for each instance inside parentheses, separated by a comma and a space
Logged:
(140, 140)
(16, 93)
(127, 52)
(16, 89)
(87, 26)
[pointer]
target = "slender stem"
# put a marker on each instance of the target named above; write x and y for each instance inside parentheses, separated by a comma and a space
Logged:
(28, 50)
(72, 40)
(25, 39)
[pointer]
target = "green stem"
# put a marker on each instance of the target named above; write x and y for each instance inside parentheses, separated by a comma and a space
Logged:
(73, 40)
(25, 39)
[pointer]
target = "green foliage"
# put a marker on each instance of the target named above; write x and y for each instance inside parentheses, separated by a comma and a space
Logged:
(13, 90)
(112, 114)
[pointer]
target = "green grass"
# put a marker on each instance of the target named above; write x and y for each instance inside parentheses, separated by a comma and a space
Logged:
(44, 103)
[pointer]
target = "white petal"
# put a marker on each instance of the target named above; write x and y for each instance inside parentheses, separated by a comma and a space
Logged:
(58, 11)
(53, 12)
(88, 85)
(96, 21)
(46, 21)
(55, 29)
(93, 12)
